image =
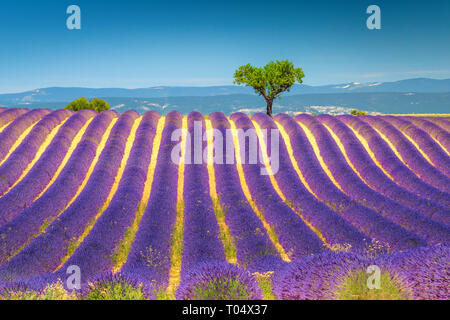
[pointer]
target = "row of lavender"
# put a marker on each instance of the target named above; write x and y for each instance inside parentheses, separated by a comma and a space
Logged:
(23, 225)
(254, 249)
(149, 257)
(32, 185)
(416, 163)
(93, 256)
(410, 192)
(45, 253)
(9, 136)
(18, 161)
(366, 219)
(340, 216)
(425, 142)
(411, 220)
(420, 273)
(332, 226)
(297, 239)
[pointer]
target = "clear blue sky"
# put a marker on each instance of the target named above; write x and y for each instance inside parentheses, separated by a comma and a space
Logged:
(138, 43)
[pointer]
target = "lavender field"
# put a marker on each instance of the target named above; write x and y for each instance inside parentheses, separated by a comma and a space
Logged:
(93, 206)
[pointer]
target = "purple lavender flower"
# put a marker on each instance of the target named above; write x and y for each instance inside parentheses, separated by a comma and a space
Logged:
(442, 122)
(201, 240)
(218, 281)
(432, 183)
(254, 249)
(377, 180)
(434, 152)
(116, 287)
(316, 277)
(335, 229)
(9, 115)
(365, 219)
(18, 291)
(438, 133)
(94, 255)
(17, 162)
(292, 232)
(424, 227)
(17, 232)
(24, 193)
(9, 136)
(425, 271)
(45, 253)
(149, 255)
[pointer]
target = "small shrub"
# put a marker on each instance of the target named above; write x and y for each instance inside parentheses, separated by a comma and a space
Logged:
(114, 287)
(82, 103)
(21, 291)
(219, 281)
(354, 287)
(355, 112)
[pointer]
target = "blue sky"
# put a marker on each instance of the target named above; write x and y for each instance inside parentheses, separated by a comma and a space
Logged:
(139, 43)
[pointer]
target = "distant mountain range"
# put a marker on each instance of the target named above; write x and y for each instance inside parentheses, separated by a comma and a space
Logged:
(406, 96)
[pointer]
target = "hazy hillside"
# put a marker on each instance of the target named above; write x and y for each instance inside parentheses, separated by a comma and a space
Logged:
(405, 96)
(68, 94)
(313, 103)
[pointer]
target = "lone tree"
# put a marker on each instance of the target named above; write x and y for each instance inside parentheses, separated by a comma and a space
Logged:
(269, 81)
(96, 104)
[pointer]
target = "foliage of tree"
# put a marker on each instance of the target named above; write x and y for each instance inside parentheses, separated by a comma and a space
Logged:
(355, 112)
(79, 104)
(99, 105)
(82, 103)
(269, 81)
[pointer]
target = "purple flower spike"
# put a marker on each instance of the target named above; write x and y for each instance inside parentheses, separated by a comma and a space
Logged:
(316, 277)
(218, 281)
(426, 271)
(116, 287)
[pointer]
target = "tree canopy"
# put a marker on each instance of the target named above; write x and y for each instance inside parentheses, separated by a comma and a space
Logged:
(82, 103)
(355, 112)
(99, 105)
(269, 81)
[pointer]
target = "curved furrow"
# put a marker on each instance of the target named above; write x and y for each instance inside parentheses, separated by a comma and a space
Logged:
(239, 166)
(297, 239)
(335, 231)
(46, 169)
(442, 122)
(8, 116)
(150, 255)
(441, 136)
(314, 177)
(96, 253)
(228, 241)
(80, 135)
(32, 221)
(424, 143)
(425, 227)
(255, 251)
(370, 170)
(18, 130)
(50, 250)
(177, 240)
(40, 152)
(400, 158)
(122, 252)
(18, 163)
(201, 238)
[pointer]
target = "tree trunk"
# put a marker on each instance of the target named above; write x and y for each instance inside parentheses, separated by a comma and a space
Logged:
(269, 107)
